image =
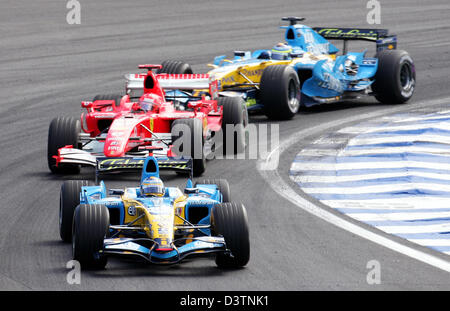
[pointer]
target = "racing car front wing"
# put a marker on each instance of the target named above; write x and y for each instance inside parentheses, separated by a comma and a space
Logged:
(104, 164)
(198, 246)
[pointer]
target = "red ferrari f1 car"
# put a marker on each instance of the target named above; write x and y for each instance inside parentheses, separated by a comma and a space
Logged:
(158, 116)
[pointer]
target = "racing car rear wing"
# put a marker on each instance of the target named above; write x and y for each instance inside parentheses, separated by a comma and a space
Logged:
(183, 81)
(380, 36)
(135, 82)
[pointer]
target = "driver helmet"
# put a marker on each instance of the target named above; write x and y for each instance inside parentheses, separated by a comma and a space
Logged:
(152, 186)
(147, 104)
(281, 51)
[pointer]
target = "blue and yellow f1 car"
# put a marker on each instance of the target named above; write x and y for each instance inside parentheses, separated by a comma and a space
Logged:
(306, 70)
(160, 229)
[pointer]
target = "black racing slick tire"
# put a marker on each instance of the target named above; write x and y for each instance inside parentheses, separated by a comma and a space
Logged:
(175, 67)
(90, 227)
(63, 131)
(69, 200)
(395, 80)
(234, 121)
(230, 221)
(280, 92)
(222, 186)
(117, 98)
(190, 145)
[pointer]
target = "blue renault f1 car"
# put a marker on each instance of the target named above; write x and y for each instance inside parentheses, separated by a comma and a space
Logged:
(306, 70)
(161, 225)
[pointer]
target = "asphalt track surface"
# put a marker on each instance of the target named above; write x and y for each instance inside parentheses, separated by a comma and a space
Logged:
(48, 67)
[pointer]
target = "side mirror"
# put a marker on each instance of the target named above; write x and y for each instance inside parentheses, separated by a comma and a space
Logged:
(296, 54)
(116, 191)
(191, 190)
(194, 105)
(135, 107)
(219, 59)
(244, 54)
(86, 105)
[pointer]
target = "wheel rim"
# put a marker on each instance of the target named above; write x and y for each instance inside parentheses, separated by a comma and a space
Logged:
(293, 96)
(244, 116)
(407, 80)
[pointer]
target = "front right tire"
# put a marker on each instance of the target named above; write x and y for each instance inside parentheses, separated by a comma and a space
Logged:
(230, 221)
(395, 80)
(62, 131)
(234, 113)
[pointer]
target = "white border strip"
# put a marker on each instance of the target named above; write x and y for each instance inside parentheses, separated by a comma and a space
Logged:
(275, 181)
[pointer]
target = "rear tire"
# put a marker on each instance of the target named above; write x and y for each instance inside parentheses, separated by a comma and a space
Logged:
(395, 79)
(280, 92)
(222, 185)
(63, 131)
(230, 221)
(90, 227)
(117, 98)
(175, 67)
(234, 113)
(196, 143)
(69, 200)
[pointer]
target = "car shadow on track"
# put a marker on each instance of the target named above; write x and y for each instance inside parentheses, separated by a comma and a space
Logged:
(337, 106)
(123, 267)
(343, 106)
(346, 105)
(196, 267)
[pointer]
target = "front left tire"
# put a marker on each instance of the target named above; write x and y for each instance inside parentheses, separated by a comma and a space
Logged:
(117, 98)
(175, 67)
(90, 227)
(191, 146)
(230, 221)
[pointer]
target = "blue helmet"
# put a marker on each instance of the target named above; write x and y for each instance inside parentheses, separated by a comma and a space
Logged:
(281, 51)
(152, 186)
